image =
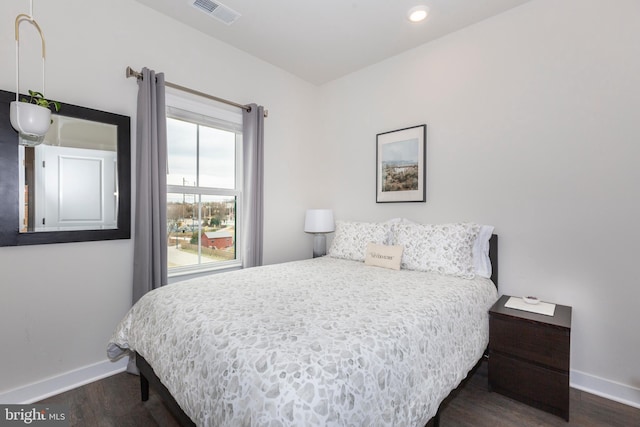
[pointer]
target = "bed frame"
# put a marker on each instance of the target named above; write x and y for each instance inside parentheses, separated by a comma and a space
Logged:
(148, 376)
(493, 256)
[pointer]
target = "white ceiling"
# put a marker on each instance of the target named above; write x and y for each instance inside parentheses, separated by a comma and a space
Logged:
(322, 40)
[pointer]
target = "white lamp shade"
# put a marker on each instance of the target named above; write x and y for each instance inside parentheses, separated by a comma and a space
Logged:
(319, 221)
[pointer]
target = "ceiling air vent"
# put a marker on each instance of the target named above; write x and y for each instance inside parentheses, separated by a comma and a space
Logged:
(216, 10)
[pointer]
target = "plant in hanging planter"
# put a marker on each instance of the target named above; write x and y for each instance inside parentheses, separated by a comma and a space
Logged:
(31, 117)
(38, 99)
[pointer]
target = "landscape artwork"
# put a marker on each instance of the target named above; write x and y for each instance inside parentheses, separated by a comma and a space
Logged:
(400, 165)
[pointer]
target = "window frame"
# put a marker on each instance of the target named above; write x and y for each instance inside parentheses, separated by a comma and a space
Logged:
(216, 115)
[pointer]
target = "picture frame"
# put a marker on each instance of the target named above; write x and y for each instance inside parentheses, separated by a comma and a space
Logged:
(401, 165)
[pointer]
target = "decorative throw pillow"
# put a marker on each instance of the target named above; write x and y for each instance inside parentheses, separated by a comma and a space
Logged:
(443, 248)
(383, 256)
(351, 239)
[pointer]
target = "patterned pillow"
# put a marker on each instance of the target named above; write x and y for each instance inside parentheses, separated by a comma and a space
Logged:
(443, 248)
(351, 238)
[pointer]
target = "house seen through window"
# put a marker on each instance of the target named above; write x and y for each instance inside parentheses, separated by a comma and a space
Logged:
(204, 149)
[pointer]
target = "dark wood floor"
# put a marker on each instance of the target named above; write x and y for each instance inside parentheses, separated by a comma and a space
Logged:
(476, 406)
(115, 401)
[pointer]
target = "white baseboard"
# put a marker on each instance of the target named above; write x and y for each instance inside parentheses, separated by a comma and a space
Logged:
(608, 389)
(35, 392)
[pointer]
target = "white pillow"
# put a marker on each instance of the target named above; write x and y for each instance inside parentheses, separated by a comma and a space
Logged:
(443, 248)
(385, 256)
(351, 239)
(481, 261)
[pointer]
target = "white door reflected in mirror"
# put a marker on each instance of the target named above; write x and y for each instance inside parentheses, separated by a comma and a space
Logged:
(70, 181)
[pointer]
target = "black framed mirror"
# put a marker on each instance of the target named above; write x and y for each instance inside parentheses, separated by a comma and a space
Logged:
(107, 138)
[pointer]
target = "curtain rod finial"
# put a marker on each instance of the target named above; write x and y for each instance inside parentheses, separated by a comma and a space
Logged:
(130, 73)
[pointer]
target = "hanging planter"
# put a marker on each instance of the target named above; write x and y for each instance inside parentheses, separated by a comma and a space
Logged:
(30, 117)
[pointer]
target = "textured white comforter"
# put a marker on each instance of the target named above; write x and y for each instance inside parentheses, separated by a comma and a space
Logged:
(321, 342)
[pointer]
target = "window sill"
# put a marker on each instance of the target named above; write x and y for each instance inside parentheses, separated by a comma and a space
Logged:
(180, 274)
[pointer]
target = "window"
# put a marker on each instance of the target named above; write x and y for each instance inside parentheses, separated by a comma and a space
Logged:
(204, 186)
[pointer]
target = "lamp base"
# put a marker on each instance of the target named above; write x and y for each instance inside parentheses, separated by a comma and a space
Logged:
(319, 245)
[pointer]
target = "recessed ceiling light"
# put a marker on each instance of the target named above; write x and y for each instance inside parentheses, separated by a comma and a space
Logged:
(418, 13)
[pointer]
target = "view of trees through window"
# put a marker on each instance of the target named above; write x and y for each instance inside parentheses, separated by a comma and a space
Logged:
(201, 229)
(202, 193)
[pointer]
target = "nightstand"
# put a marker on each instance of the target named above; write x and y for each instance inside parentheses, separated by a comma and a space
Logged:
(529, 356)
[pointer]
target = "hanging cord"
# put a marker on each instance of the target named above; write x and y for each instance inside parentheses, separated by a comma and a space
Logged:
(28, 18)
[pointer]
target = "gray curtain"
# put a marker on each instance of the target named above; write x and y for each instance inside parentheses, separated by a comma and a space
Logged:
(150, 244)
(253, 171)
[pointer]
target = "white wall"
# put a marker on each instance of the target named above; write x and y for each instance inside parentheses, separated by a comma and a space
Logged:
(532, 126)
(60, 303)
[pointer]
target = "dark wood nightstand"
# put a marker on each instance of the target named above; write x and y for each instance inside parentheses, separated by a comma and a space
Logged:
(529, 356)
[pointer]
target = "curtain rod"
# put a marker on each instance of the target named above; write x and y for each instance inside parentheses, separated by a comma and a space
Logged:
(132, 73)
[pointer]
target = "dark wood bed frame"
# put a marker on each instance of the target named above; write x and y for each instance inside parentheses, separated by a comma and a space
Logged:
(148, 376)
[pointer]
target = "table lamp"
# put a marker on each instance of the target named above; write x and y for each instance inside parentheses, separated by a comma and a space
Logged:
(319, 222)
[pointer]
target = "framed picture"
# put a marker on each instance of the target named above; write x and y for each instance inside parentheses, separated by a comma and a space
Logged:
(400, 165)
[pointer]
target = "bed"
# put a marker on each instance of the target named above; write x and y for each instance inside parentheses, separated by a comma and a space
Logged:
(319, 342)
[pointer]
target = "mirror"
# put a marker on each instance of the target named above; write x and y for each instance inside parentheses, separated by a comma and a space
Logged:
(69, 181)
(73, 187)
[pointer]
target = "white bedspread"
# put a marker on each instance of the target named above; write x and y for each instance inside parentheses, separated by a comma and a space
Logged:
(321, 342)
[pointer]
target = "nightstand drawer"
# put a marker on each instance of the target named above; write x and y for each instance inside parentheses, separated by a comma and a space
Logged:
(532, 384)
(536, 343)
